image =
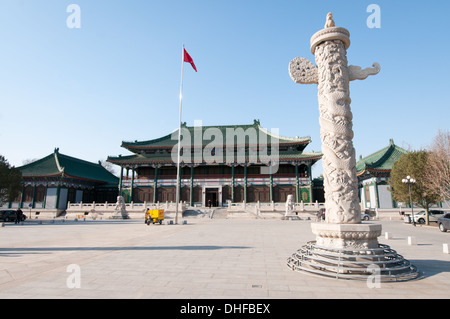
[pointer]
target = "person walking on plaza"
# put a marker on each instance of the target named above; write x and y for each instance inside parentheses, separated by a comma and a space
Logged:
(19, 215)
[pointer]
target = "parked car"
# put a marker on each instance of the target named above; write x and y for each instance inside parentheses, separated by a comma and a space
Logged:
(370, 212)
(444, 223)
(432, 216)
(365, 216)
(9, 215)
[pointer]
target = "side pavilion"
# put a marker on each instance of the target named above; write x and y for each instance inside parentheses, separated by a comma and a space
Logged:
(53, 181)
(373, 174)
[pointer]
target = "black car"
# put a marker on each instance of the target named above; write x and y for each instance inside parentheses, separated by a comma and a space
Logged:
(444, 222)
(10, 215)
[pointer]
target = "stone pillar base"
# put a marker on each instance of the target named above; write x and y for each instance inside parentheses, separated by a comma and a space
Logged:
(347, 236)
(351, 251)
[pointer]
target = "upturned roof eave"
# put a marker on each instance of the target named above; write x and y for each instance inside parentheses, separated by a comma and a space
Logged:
(148, 161)
(375, 162)
(148, 147)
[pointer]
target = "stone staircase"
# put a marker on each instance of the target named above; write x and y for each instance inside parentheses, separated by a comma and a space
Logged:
(241, 215)
(219, 213)
(223, 213)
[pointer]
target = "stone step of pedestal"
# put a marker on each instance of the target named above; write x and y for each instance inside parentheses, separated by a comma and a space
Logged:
(361, 264)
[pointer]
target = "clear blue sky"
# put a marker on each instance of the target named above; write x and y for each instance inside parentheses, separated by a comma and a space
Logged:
(118, 76)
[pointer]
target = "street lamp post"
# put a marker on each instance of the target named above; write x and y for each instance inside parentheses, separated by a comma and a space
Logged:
(408, 180)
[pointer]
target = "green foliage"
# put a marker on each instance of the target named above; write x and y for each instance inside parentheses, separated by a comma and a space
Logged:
(10, 181)
(412, 164)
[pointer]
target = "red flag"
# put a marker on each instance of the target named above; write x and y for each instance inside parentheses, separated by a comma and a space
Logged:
(187, 58)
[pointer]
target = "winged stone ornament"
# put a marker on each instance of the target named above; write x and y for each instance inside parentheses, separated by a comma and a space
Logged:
(303, 71)
(357, 73)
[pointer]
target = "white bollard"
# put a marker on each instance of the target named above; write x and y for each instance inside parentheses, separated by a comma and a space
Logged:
(387, 235)
(412, 240)
(445, 249)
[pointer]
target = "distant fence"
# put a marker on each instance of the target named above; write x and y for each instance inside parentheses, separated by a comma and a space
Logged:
(275, 207)
(135, 210)
(258, 210)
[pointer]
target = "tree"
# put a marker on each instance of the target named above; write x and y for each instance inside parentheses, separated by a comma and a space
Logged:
(108, 166)
(412, 164)
(29, 161)
(437, 171)
(10, 181)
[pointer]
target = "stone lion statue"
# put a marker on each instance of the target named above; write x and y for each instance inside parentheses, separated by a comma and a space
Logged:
(120, 211)
(290, 205)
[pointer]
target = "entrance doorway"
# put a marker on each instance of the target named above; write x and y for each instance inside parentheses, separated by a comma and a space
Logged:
(211, 197)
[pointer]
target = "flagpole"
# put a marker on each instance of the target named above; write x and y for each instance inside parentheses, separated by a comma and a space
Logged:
(177, 195)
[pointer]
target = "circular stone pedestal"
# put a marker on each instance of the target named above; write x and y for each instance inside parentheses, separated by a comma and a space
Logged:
(351, 251)
(381, 263)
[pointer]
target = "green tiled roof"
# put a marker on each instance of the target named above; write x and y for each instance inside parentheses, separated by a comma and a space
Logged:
(167, 141)
(383, 160)
(157, 151)
(57, 164)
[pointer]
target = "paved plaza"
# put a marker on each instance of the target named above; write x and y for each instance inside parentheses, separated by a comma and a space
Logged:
(205, 258)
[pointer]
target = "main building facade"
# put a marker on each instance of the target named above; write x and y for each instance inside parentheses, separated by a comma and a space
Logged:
(218, 164)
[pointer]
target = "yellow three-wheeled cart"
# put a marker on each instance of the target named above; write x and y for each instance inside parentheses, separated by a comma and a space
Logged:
(154, 216)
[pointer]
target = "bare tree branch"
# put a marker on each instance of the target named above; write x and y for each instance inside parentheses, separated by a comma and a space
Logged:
(437, 171)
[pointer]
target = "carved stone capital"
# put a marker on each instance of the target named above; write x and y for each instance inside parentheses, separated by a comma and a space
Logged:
(329, 34)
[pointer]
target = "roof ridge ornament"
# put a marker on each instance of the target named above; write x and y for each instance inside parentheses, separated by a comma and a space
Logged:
(55, 154)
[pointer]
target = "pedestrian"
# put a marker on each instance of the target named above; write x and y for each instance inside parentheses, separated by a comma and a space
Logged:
(19, 215)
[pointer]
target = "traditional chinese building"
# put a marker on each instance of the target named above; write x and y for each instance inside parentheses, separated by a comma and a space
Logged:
(214, 171)
(55, 180)
(373, 174)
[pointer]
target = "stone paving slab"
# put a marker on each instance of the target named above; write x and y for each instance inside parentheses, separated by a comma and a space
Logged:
(205, 259)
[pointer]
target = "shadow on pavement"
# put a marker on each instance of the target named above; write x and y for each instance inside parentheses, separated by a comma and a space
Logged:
(14, 251)
(429, 268)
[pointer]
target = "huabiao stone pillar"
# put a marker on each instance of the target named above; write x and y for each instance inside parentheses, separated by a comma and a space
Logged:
(342, 227)
(344, 248)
